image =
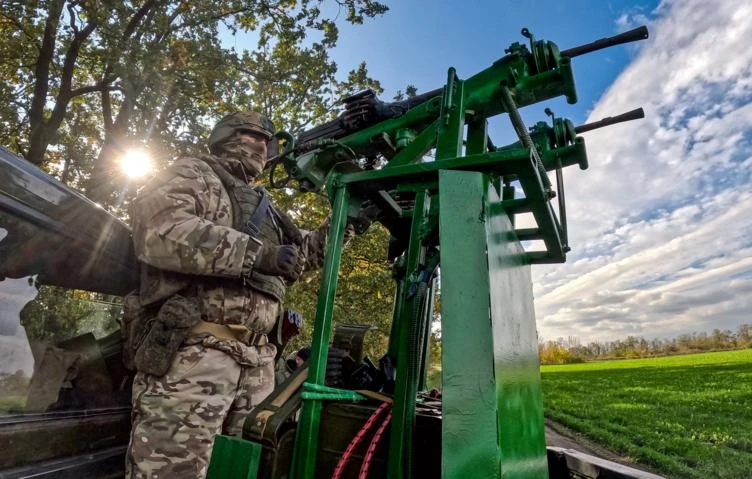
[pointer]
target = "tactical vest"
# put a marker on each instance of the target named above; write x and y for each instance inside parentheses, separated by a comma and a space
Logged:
(271, 230)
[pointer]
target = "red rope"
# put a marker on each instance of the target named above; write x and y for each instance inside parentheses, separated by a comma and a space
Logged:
(372, 447)
(357, 439)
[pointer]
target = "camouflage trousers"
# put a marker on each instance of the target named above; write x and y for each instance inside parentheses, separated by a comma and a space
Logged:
(207, 391)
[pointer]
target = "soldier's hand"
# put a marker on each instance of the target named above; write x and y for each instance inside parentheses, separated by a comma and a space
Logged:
(278, 261)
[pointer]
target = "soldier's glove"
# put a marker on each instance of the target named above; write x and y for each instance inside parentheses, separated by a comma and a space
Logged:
(278, 261)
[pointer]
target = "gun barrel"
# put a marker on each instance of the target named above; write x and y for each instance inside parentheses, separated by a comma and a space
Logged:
(611, 120)
(639, 33)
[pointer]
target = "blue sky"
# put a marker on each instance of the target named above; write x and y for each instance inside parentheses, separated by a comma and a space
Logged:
(660, 224)
(415, 43)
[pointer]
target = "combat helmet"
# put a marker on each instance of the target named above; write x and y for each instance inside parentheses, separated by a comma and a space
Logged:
(239, 121)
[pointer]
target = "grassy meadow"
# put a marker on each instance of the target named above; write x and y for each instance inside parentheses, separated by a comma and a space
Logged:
(686, 416)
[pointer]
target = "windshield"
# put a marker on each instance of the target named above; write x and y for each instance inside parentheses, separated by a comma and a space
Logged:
(64, 265)
(59, 348)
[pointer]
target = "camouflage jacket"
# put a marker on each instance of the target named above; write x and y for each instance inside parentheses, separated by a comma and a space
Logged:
(184, 239)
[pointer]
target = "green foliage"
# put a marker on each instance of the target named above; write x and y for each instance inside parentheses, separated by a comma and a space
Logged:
(14, 384)
(365, 292)
(686, 416)
(80, 82)
(410, 91)
(433, 375)
(554, 353)
(13, 403)
(57, 314)
(13, 391)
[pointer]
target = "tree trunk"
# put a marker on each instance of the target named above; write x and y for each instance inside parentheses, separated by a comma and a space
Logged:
(38, 143)
(39, 138)
(44, 130)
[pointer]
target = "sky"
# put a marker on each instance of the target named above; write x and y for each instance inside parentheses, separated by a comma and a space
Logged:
(660, 224)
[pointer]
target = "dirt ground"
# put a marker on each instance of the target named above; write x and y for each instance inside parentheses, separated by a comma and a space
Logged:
(559, 436)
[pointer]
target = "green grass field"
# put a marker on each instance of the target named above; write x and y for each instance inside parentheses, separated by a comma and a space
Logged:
(12, 403)
(686, 416)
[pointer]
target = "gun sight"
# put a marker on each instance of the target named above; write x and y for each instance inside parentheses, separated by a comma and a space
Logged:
(611, 120)
(639, 33)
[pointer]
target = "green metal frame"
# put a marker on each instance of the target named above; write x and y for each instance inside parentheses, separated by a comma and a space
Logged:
(304, 458)
(492, 401)
(469, 408)
(439, 124)
(410, 327)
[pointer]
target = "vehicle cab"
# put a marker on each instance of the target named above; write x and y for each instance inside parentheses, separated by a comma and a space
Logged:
(65, 264)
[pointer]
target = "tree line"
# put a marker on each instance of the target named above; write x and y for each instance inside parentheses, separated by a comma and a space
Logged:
(570, 350)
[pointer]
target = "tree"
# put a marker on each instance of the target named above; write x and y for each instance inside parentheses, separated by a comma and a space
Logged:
(744, 336)
(365, 290)
(123, 73)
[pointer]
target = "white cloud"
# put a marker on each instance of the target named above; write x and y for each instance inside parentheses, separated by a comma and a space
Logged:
(660, 224)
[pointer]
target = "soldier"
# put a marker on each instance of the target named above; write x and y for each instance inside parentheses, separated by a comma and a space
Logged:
(216, 258)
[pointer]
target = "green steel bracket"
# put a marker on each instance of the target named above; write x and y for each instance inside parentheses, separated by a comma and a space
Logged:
(409, 354)
(417, 148)
(517, 162)
(306, 440)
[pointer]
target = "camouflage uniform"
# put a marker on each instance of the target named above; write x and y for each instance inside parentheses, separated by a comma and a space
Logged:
(184, 237)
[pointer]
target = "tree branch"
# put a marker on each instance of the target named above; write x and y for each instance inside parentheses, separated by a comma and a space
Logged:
(106, 110)
(42, 68)
(23, 30)
(92, 88)
(137, 17)
(208, 19)
(260, 77)
(175, 14)
(69, 63)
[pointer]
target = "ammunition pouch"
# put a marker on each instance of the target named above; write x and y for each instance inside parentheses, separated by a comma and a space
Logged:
(154, 336)
(136, 322)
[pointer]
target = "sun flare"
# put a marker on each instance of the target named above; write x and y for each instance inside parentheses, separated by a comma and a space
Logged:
(136, 163)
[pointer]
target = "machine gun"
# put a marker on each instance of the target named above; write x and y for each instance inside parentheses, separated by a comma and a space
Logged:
(372, 136)
(454, 211)
(365, 109)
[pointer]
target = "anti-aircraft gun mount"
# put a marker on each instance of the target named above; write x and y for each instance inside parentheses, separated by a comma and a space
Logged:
(455, 210)
(386, 143)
